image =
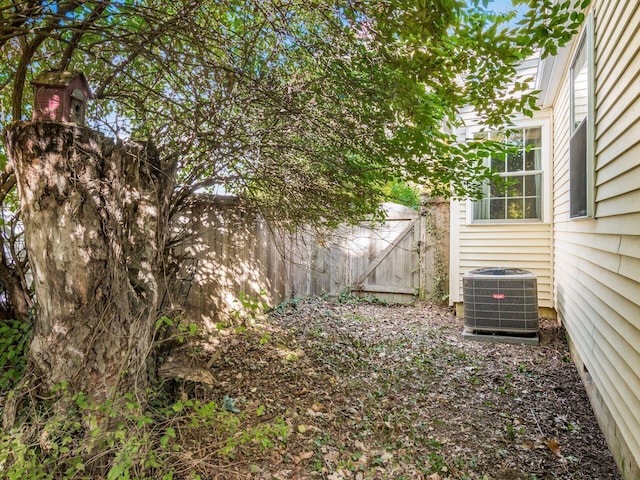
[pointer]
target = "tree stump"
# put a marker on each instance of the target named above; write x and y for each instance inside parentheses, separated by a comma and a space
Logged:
(95, 218)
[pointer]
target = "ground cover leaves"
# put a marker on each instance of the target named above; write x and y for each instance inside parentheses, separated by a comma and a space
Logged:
(356, 390)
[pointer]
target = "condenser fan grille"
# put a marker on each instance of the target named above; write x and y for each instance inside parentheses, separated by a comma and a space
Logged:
(501, 300)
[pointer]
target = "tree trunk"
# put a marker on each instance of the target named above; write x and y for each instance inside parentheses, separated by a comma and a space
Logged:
(17, 294)
(95, 219)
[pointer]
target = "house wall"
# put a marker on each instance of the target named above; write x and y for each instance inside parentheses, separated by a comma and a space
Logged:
(526, 245)
(597, 261)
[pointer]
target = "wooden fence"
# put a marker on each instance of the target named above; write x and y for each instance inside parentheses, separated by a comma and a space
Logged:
(233, 263)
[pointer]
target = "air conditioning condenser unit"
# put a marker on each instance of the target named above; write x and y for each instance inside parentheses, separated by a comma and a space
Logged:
(501, 304)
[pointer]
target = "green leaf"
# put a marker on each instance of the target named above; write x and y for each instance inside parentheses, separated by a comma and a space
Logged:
(117, 472)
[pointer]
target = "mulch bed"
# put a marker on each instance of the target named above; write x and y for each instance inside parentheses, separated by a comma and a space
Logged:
(374, 391)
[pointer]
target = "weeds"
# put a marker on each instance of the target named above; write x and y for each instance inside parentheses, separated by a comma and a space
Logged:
(140, 442)
(349, 298)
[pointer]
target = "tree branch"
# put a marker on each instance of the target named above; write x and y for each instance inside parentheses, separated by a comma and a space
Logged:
(77, 35)
(22, 11)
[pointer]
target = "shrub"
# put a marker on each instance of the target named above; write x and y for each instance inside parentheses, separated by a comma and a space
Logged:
(14, 344)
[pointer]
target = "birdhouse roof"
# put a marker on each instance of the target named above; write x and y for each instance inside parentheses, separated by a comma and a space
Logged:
(57, 78)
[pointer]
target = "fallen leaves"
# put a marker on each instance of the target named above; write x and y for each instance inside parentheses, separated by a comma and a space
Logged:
(386, 457)
(373, 391)
(554, 446)
(303, 456)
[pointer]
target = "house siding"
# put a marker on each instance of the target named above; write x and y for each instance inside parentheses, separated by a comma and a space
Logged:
(597, 261)
(526, 246)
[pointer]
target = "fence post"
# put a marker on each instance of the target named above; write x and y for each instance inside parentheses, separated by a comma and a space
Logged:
(434, 251)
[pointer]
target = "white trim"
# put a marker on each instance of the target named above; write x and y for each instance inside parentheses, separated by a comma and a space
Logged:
(550, 74)
(454, 251)
(587, 40)
(551, 206)
(591, 125)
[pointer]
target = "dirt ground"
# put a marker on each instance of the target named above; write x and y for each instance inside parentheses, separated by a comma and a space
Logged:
(342, 389)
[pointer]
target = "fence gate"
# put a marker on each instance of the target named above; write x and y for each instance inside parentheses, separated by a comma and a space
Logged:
(385, 261)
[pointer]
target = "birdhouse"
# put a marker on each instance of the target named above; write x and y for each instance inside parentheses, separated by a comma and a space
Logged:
(60, 96)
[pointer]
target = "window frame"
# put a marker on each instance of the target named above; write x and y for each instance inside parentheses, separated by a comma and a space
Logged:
(585, 41)
(544, 123)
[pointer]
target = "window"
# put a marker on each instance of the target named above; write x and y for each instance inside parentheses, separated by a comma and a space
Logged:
(580, 144)
(522, 198)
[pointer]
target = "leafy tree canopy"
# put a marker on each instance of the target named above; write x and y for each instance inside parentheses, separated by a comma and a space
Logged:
(306, 108)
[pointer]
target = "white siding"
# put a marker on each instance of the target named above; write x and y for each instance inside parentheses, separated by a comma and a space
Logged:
(597, 262)
(514, 245)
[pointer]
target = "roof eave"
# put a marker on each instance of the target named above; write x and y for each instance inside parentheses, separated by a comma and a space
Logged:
(550, 72)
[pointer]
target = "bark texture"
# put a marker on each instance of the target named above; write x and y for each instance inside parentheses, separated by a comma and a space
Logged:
(95, 218)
